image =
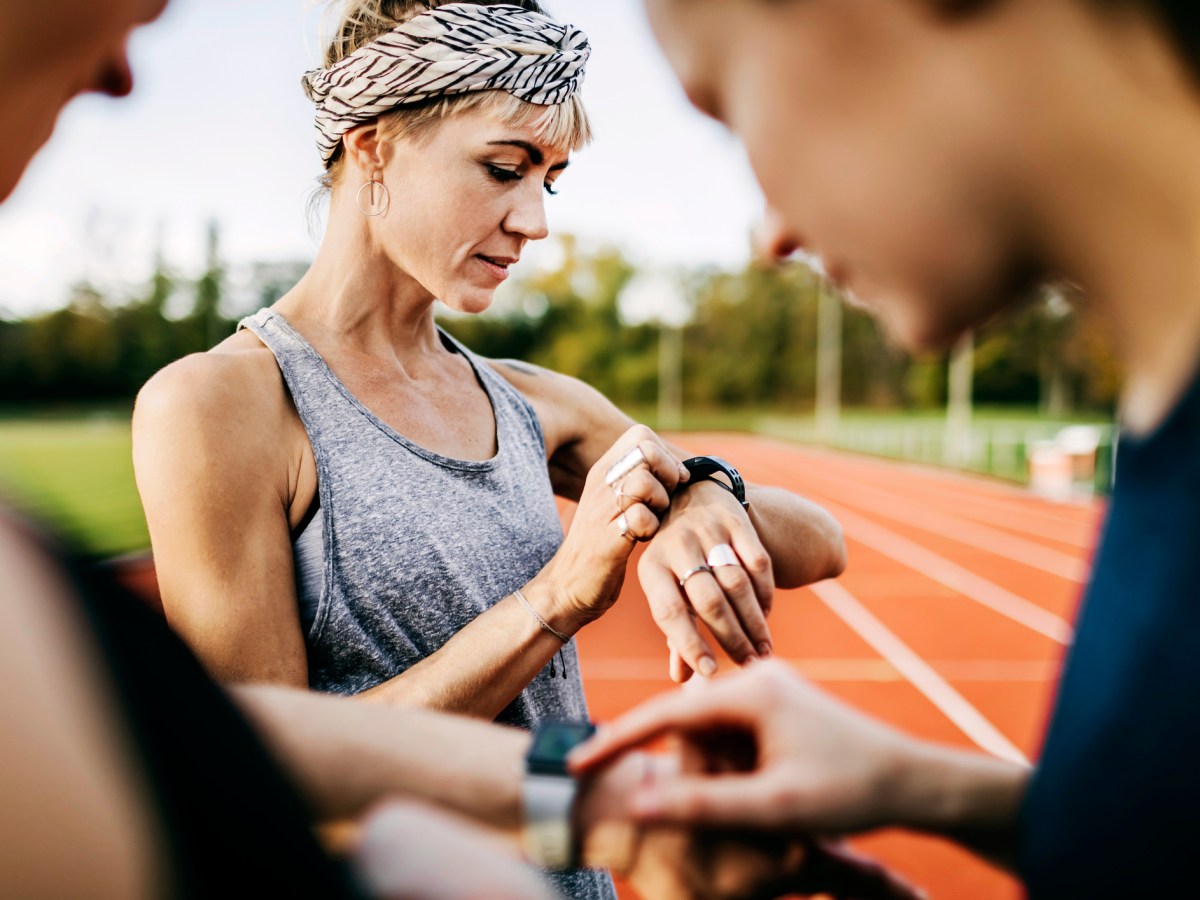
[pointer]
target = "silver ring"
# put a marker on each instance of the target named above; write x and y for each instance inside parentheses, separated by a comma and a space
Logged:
(624, 465)
(690, 572)
(722, 555)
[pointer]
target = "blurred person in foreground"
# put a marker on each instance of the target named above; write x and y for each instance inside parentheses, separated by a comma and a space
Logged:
(340, 496)
(125, 772)
(944, 158)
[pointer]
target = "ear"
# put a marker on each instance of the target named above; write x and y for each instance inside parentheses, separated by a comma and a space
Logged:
(365, 148)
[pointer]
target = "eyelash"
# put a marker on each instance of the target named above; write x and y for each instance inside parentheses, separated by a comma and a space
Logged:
(506, 176)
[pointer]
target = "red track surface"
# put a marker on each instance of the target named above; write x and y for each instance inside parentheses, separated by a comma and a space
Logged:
(906, 634)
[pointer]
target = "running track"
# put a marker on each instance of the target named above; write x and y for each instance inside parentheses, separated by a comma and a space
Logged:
(950, 621)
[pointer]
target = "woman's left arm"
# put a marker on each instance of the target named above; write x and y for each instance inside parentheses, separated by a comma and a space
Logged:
(781, 540)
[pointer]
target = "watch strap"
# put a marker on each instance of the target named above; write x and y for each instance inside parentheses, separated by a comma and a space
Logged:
(703, 468)
(548, 836)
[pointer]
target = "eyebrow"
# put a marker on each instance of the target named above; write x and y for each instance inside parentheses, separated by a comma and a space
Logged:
(535, 155)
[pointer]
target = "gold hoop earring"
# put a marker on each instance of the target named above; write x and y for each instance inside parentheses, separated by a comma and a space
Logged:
(379, 201)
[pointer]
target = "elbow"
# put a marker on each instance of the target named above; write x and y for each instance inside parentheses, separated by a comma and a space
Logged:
(836, 542)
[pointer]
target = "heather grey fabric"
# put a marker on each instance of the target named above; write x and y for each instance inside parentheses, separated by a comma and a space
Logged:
(415, 545)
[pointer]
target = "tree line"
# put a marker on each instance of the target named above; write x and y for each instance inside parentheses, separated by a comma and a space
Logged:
(750, 340)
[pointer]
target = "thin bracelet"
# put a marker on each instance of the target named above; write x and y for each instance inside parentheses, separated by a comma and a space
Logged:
(533, 612)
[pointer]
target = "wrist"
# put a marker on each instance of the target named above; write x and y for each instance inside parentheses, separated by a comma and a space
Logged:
(946, 792)
(608, 835)
(552, 605)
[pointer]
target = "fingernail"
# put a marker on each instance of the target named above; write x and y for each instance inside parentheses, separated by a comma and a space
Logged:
(707, 667)
(764, 650)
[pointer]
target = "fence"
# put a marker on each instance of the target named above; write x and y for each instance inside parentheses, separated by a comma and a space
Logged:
(1016, 451)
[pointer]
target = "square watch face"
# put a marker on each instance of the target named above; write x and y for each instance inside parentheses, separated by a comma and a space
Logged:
(551, 744)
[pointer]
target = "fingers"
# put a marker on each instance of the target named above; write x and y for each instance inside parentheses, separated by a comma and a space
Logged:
(707, 598)
(757, 564)
(718, 590)
(679, 671)
(641, 448)
(640, 486)
(637, 523)
(714, 704)
(674, 617)
(738, 587)
(739, 801)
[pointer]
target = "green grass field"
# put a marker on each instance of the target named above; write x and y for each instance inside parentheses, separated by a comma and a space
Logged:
(76, 474)
(73, 469)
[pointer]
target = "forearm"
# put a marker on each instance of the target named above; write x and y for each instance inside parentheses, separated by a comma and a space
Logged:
(484, 666)
(970, 798)
(347, 756)
(804, 542)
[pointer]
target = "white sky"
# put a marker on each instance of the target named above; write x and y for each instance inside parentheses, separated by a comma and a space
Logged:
(218, 127)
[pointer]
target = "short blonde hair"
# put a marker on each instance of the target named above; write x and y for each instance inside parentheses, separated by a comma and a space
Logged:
(563, 127)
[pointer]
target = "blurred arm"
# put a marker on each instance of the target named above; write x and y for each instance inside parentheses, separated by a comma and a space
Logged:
(76, 816)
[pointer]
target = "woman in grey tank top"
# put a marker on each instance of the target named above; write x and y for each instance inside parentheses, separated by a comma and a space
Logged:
(341, 496)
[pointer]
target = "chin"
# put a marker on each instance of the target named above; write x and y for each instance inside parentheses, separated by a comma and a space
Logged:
(915, 325)
(471, 304)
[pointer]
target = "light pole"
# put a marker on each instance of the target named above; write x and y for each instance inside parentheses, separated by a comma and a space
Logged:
(658, 297)
(958, 407)
(829, 363)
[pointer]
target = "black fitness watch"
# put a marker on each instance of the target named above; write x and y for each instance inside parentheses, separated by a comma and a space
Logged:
(704, 468)
(548, 794)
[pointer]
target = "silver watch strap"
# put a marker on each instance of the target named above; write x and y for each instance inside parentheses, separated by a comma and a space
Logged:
(547, 836)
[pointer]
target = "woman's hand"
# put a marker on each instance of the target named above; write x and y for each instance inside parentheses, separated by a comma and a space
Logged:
(708, 563)
(672, 862)
(781, 754)
(623, 496)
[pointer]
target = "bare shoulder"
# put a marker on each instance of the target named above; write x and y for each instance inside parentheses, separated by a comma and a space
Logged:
(567, 406)
(228, 401)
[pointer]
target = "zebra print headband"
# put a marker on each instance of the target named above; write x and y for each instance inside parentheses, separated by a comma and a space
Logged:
(451, 49)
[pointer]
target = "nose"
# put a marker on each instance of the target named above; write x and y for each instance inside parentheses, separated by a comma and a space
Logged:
(114, 78)
(774, 238)
(527, 218)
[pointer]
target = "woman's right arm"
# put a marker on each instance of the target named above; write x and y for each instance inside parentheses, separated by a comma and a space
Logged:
(211, 452)
(217, 469)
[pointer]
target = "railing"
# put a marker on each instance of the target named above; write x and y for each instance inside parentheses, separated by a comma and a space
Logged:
(1050, 456)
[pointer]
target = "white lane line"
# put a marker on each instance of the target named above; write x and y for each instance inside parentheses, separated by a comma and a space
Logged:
(932, 685)
(972, 534)
(926, 562)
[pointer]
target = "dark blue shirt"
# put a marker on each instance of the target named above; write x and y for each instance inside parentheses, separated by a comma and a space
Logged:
(1113, 809)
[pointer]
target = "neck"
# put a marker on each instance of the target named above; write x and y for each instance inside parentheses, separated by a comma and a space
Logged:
(356, 294)
(1123, 216)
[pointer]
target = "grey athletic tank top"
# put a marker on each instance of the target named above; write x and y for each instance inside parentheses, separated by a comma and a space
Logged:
(414, 545)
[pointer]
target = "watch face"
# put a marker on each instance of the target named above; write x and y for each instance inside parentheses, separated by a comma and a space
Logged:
(551, 744)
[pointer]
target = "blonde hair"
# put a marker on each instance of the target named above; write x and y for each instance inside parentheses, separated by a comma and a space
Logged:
(563, 127)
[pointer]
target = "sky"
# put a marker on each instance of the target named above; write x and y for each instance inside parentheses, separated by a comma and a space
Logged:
(218, 129)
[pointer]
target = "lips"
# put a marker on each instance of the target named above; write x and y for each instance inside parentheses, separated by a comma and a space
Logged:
(502, 261)
(496, 266)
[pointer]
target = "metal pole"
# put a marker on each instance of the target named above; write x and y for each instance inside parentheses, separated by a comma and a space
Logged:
(958, 409)
(670, 377)
(829, 364)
